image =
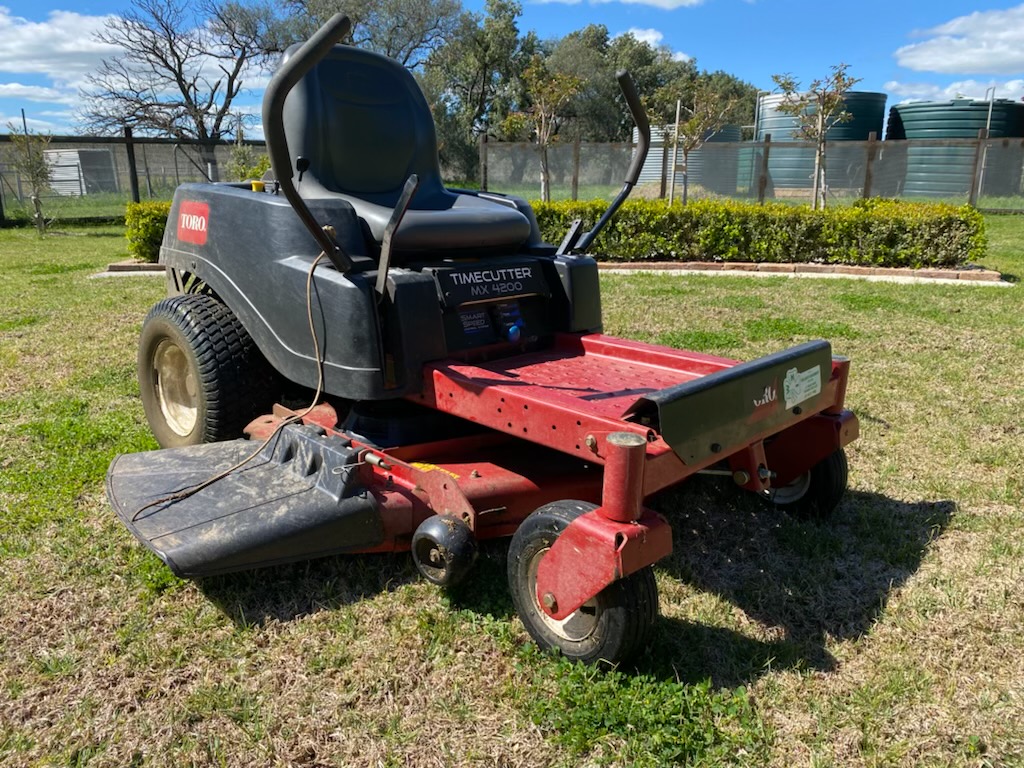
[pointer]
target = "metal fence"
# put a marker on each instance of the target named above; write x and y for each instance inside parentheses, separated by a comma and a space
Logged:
(95, 177)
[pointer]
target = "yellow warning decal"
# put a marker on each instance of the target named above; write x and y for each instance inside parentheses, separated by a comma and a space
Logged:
(431, 468)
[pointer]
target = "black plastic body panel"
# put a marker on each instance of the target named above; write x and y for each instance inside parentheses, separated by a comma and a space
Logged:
(295, 501)
(253, 252)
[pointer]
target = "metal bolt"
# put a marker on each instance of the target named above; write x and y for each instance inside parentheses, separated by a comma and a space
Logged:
(741, 477)
(550, 602)
(716, 447)
(591, 442)
(798, 410)
(474, 473)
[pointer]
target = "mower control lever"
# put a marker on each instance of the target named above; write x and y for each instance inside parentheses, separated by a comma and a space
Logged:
(636, 110)
(291, 71)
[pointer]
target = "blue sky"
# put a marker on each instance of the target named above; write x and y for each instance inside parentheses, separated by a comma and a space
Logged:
(910, 49)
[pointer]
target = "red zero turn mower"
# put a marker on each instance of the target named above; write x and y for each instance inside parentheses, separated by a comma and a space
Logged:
(465, 390)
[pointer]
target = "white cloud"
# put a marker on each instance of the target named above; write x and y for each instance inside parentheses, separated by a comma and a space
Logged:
(653, 38)
(61, 48)
(970, 89)
(36, 93)
(668, 5)
(650, 36)
(983, 42)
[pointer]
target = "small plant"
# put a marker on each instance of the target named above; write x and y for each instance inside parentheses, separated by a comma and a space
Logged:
(28, 158)
(817, 110)
(247, 163)
(144, 228)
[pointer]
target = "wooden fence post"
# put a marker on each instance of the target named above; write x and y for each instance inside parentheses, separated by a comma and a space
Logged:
(762, 179)
(664, 168)
(978, 167)
(869, 167)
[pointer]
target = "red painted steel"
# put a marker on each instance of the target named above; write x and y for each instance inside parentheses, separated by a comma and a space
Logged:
(622, 492)
(592, 552)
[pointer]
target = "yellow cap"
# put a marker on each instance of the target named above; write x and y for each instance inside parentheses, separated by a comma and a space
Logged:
(257, 186)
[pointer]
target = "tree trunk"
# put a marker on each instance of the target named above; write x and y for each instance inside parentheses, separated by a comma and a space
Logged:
(819, 157)
(40, 220)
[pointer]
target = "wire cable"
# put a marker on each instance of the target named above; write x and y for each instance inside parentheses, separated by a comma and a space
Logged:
(181, 495)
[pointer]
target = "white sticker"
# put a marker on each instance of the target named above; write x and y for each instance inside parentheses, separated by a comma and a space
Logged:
(799, 387)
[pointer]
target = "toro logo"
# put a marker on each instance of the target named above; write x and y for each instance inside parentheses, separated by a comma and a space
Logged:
(193, 222)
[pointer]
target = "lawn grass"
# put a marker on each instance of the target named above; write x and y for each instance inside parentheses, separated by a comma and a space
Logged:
(888, 636)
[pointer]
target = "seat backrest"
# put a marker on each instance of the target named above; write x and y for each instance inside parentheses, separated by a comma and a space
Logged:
(362, 122)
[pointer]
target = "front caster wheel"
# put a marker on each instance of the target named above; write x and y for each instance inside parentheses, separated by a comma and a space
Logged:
(610, 627)
(817, 492)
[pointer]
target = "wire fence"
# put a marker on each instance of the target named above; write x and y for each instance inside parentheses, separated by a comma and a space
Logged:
(95, 178)
(986, 173)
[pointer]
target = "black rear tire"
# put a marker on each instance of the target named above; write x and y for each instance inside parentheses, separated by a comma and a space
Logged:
(816, 493)
(201, 377)
(611, 628)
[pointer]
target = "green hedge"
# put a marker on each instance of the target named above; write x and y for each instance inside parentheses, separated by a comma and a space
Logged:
(885, 233)
(875, 232)
(144, 223)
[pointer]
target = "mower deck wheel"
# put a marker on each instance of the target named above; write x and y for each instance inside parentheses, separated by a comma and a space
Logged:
(201, 377)
(610, 627)
(817, 492)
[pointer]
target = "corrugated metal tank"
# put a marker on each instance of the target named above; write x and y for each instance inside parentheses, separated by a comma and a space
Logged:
(937, 171)
(714, 170)
(793, 168)
(714, 167)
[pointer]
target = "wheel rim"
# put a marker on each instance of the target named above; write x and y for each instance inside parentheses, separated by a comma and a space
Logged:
(792, 492)
(578, 625)
(176, 389)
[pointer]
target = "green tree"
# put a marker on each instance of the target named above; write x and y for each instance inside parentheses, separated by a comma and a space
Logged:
(817, 110)
(475, 81)
(28, 158)
(408, 31)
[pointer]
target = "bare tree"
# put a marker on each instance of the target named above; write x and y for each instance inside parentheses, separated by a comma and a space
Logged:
(28, 158)
(817, 110)
(180, 67)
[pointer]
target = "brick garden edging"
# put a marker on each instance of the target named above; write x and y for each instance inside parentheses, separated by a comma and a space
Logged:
(972, 275)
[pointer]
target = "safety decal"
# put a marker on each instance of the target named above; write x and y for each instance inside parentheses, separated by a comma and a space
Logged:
(427, 467)
(800, 386)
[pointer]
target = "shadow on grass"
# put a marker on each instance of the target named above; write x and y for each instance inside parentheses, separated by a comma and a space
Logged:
(286, 592)
(806, 582)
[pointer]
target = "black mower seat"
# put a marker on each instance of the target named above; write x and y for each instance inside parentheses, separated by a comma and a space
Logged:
(361, 121)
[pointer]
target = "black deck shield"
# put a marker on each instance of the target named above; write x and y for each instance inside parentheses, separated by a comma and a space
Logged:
(296, 500)
(717, 414)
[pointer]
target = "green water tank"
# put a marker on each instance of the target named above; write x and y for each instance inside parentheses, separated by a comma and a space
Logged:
(946, 171)
(793, 168)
